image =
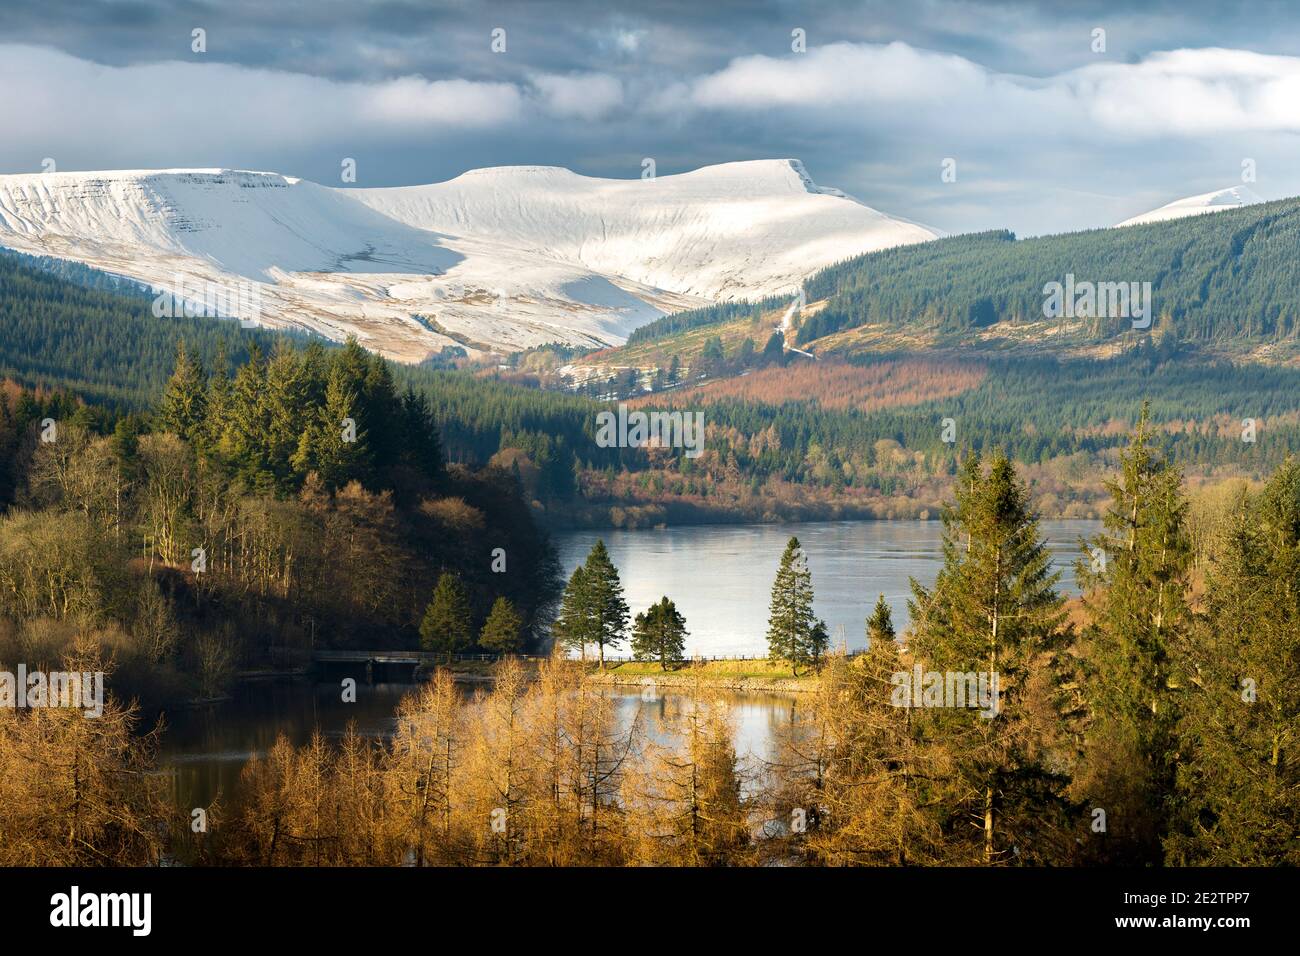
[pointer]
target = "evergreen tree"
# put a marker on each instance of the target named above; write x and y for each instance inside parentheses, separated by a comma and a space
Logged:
(503, 630)
(774, 350)
(880, 626)
(382, 411)
(592, 610)
(790, 620)
(421, 446)
(248, 425)
(217, 405)
(285, 410)
(334, 443)
(573, 625)
(994, 611)
(605, 604)
(1136, 573)
(184, 401)
(447, 625)
(659, 633)
(1238, 772)
(819, 642)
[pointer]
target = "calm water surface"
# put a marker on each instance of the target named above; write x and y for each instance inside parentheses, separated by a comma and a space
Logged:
(720, 578)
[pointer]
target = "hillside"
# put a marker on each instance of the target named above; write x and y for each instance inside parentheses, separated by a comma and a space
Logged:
(738, 230)
(494, 260)
(1225, 285)
(785, 436)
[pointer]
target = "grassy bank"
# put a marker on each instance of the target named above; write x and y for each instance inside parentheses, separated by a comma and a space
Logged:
(750, 675)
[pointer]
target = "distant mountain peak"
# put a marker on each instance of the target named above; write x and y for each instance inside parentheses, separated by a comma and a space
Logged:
(1233, 197)
(505, 258)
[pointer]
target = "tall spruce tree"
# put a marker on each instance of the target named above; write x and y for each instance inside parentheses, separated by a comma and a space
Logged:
(184, 402)
(880, 626)
(1237, 796)
(790, 620)
(286, 410)
(994, 610)
(421, 446)
(334, 443)
(1135, 575)
(248, 425)
(606, 606)
(217, 405)
(503, 631)
(448, 624)
(659, 633)
(573, 625)
(592, 610)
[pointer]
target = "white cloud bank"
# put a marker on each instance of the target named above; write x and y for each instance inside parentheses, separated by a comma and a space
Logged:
(1181, 93)
(1081, 147)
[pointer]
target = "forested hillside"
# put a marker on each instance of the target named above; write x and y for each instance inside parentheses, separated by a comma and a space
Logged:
(701, 318)
(298, 501)
(63, 326)
(1231, 275)
(783, 437)
(1225, 278)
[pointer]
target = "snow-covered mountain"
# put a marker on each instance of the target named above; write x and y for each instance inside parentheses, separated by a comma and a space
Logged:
(1234, 197)
(503, 258)
(738, 230)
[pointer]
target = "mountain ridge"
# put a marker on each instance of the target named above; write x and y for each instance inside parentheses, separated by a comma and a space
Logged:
(509, 257)
(1218, 200)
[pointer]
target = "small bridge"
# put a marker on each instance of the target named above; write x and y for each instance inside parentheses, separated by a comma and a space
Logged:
(377, 657)
(379, 664)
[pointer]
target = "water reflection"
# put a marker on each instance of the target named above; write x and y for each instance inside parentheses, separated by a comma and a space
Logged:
(720, 576)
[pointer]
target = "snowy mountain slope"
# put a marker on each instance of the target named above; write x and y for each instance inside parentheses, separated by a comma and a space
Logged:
(500, 258)
(1234, 197)
(738, 230)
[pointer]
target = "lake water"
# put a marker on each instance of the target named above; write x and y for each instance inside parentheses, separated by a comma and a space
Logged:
(720, 576)
(205, 749)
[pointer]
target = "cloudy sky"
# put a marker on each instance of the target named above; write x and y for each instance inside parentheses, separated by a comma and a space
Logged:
(1049, 131)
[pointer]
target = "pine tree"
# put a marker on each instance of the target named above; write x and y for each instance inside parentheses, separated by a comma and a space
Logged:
(819, 642)
(572, 627)
(994, 610)
(248, 425)
(421, 446)
(880, 626)
(659, 633)
(334, 443)
(503, 630)
(382, 411)
(790, 619)
(217, 403)
(286, 408)
(1238, 774)
(184, 401)
(1136, 573)
(605, 604)
(447, 625)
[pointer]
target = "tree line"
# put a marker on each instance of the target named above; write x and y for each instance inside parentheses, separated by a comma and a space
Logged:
(1152, 723)
(302, 502)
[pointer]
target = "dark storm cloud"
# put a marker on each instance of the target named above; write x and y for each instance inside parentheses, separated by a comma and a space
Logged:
(1048, 133)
